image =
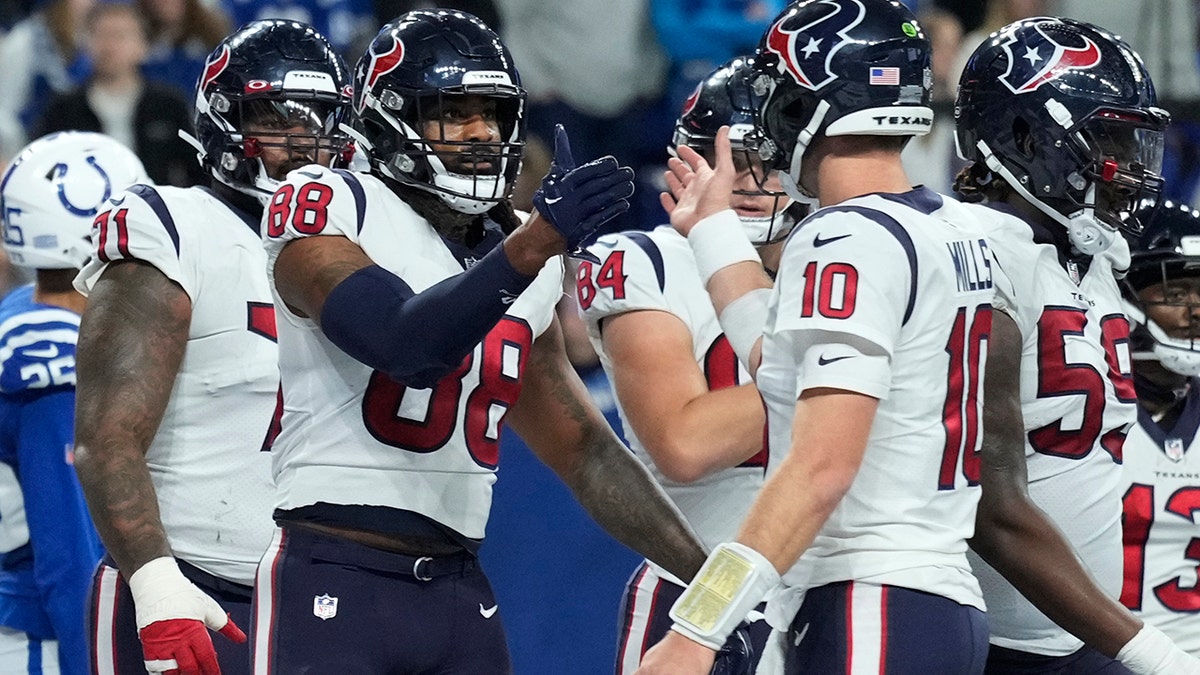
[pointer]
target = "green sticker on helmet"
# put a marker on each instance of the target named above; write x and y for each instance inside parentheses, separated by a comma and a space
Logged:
(909, 29)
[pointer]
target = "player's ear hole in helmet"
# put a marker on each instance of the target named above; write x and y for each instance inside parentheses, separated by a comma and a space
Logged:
(273, 96)
(440, 107)
(1064, 114)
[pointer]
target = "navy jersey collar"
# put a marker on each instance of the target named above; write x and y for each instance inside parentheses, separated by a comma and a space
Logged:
(254, 223)
(920, 198)
(1185, 426)
(468, 255)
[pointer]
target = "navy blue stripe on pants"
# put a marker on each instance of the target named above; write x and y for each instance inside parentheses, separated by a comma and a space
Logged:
(645, 620)
(860, 629)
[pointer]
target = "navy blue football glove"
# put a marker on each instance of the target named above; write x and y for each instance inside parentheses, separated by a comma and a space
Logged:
(737, 656)
(578, 200)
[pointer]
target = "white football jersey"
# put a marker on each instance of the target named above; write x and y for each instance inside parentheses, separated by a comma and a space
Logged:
(207, 463)
(354, 436)
(1161, 491)
(889, 296)
(657, 271)
(1077, 400)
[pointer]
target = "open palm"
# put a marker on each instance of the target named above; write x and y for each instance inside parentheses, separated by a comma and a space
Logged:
(695, 189)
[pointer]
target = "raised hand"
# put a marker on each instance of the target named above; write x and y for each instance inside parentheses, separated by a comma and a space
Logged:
(578, 200)
(173, 619)
(695, 189)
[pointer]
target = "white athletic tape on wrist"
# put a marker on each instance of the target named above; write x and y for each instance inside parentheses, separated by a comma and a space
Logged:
(733, 580)
(719, 241)
(1151, 652)
(743, 321)
(161, 592)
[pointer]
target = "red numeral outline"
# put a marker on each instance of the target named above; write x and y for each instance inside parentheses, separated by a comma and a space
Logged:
(1057, 377)
(721, 371)
(101, 222)
(511, 338)
(311, 211)
(585, 290)
(1137, 519)
(611, 276)
(824, 291)
(960, 413)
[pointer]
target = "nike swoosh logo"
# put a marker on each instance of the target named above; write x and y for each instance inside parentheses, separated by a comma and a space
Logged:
(801, 634)
(554, 200)
(309, 174)
(822, 361)
(819, 242)
(119, 201)
(487, 613)
(47, 353)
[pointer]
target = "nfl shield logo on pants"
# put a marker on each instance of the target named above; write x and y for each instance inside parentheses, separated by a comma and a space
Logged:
(324, 607)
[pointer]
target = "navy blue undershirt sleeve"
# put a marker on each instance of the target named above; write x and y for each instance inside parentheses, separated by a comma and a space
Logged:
(418, 338)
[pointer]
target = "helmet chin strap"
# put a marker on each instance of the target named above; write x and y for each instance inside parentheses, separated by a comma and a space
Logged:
(454, 190)
(791, 179)
(1177, 356)
(1087, 234)
(264, 186)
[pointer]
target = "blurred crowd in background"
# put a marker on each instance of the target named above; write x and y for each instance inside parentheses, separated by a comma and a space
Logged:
(615, 73)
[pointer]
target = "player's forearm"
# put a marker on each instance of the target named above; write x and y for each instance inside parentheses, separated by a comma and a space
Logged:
(790, 510)
(730, 283)
(131, 342)
(715, 431)
(829, 439)
(564, 429)
(1025, 546)
(123, 505)
(624, 499)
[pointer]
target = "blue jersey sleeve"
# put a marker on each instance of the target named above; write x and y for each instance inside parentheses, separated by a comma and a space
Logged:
(66, 546)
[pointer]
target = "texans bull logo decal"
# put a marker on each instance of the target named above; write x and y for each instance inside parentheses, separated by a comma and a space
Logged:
(1045, 59)
(805, 51)
(385, 57)
(214, 67)
(690, 103)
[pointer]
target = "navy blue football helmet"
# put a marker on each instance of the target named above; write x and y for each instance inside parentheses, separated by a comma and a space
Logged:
(839, 68)
(1065, 113)
(1167, 253)
(726, 98)
(271, 76)
(417, 65)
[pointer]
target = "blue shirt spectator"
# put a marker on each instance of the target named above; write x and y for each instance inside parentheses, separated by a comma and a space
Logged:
(41, 57)
(346, 23)
(183, 33)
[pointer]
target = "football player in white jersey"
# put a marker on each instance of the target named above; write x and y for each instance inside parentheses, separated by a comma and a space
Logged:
(1161, 487)
(1060, 121)
(869, 365)
(690, 410)
(416, 319)
(48, 545)
(178, 373)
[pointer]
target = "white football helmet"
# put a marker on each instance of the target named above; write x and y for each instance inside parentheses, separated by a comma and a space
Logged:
(52, 191)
